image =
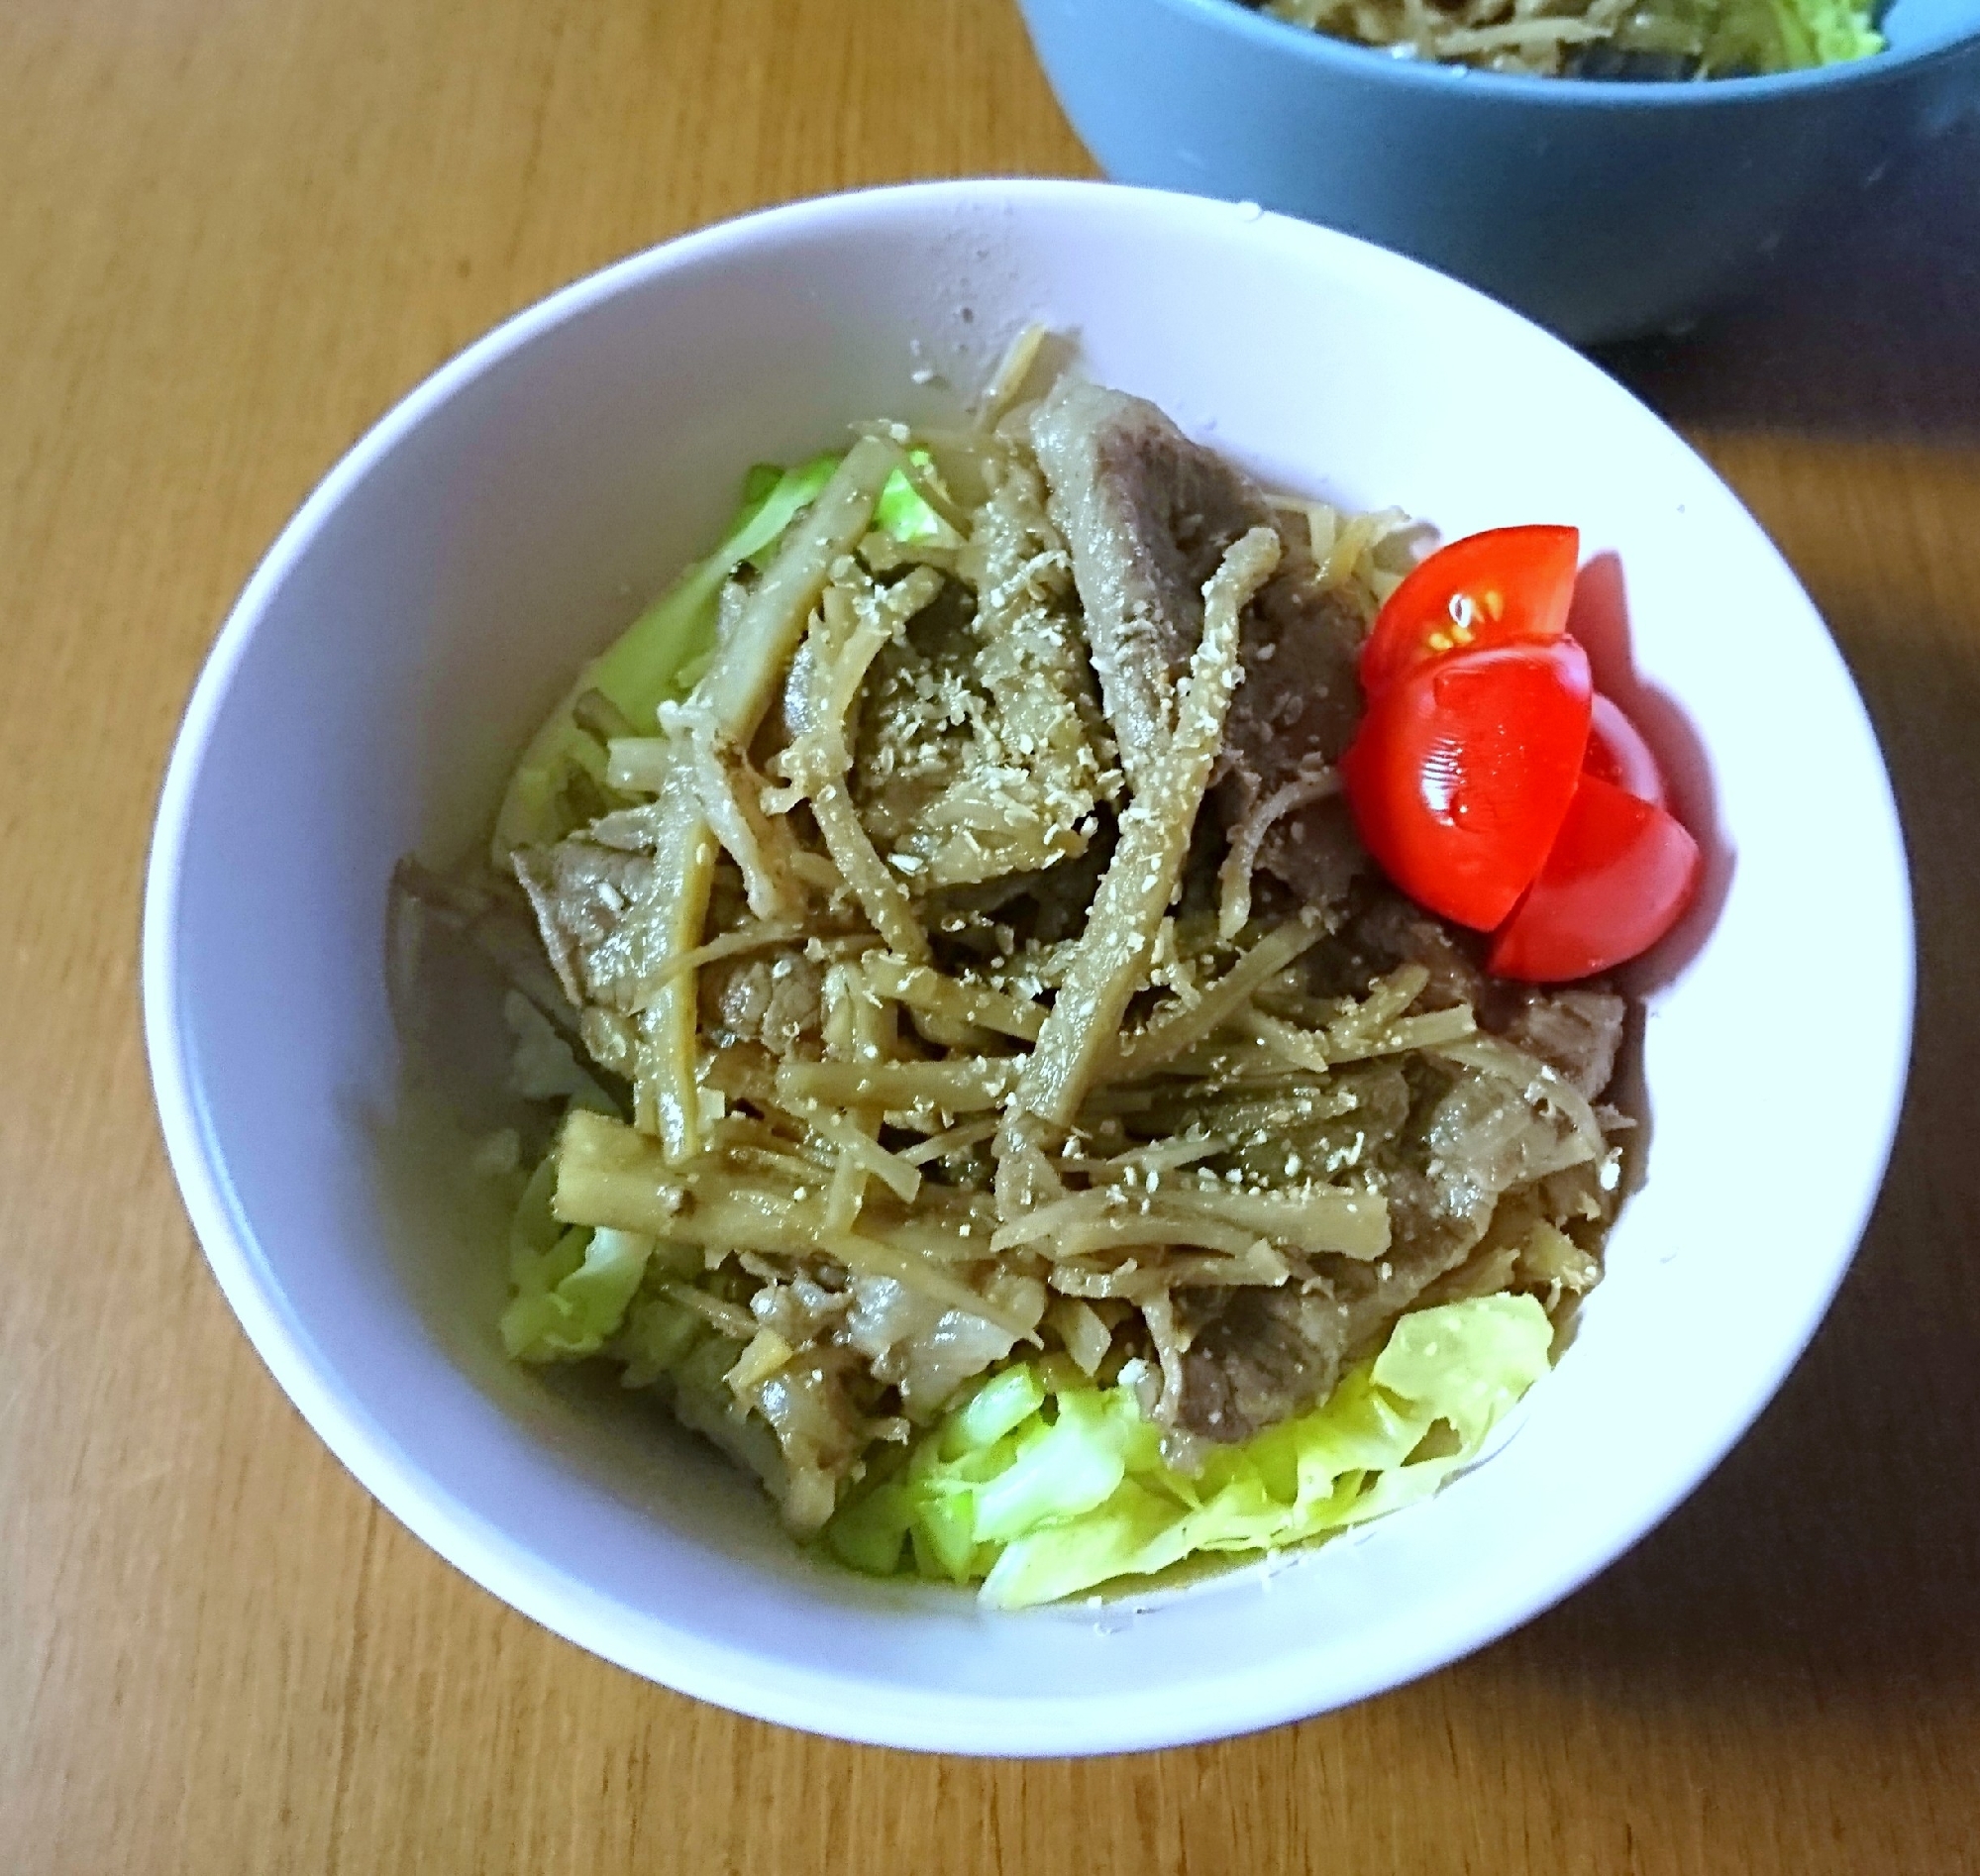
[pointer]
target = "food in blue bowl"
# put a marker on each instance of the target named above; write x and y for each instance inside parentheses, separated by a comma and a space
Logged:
(1648, 41)
(1600, 205)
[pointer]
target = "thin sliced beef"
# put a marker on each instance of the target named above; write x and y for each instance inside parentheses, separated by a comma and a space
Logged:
(591, 898)
(772, 998)
(1484, 1136)
(1436, 1223)
(1577, 1031)
(1390, 930)
(928, 1350)
(1148, 515)
(1256, 1357)
(581, 893)
(1291, 721)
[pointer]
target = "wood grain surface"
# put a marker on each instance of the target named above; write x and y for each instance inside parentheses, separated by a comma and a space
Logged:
(230, 233)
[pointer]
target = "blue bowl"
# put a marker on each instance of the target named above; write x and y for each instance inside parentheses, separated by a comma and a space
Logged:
(1604, 210)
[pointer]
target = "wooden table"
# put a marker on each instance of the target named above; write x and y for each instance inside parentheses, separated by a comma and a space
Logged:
(232, 232)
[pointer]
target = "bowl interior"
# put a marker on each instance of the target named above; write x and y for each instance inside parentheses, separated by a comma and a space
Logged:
(1919, 25)
(431, 601)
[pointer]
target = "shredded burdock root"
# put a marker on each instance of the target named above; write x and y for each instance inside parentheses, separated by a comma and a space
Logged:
(903, 1040)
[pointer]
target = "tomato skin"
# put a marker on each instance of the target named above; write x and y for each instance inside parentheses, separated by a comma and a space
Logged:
(1492, 785)
(1462, 771)
(1621, 873)
(1619, 755)
(1505, 586)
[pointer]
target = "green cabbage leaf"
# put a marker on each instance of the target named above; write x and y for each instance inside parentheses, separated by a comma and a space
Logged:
(1769, 36)
(1041, 1485)
(569, 1287)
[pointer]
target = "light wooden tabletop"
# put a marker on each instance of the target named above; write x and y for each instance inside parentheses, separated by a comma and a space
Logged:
(230, 233)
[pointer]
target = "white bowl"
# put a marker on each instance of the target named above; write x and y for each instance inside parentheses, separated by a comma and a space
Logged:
(430, 600)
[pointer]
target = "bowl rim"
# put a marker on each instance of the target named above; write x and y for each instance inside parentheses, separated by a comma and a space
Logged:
(816, 1699)
(1349, 59)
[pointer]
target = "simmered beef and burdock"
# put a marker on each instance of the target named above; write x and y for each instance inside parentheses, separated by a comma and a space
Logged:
(968, 958)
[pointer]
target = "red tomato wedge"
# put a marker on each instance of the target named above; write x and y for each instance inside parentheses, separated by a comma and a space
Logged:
(1506, 586)
(1619, 755)
(1461, 774)
(1620, 875)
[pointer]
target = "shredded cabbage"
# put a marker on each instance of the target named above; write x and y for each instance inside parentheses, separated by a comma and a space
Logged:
(1763, 36)
(1835, 31)
(1041, 1486)
(902, 513)
(570, 1288)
